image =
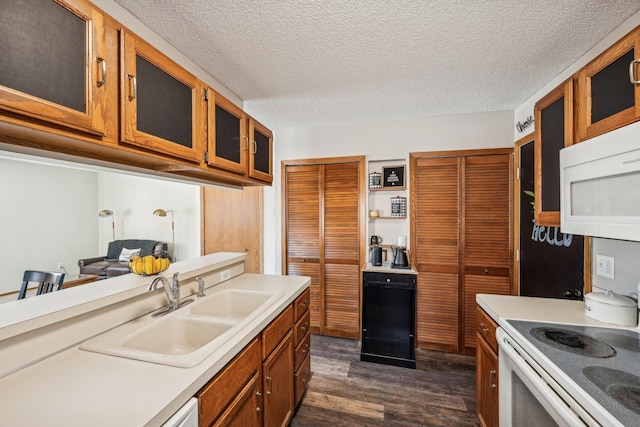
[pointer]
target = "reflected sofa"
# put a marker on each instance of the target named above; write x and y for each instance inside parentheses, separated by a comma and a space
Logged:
(111, 265)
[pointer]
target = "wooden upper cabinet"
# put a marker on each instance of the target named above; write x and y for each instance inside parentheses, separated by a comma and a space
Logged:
(228, 143)
(554, 131)
(161, 106)
(607, 97)
(53, 62)
(260, 152)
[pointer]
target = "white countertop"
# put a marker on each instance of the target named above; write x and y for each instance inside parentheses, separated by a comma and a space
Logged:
(503, 307)
(76, 387)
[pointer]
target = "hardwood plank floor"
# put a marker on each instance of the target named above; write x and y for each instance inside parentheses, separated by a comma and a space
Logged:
(343, 391)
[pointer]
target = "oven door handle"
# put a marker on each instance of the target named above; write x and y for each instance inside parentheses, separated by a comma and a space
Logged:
(570, 411)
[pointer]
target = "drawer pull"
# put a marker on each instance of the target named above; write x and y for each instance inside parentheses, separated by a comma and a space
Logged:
(484, 328)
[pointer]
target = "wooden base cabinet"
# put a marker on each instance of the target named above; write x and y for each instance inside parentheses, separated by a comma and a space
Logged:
(223, 401)
(302, 339)
(486, 371)
(262, 385)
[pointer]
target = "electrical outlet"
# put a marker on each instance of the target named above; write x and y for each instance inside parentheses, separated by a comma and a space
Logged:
(605, 266)
(225, 275)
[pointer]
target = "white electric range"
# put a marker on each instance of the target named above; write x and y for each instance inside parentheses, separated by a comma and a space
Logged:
(576, 375)
(545, 375)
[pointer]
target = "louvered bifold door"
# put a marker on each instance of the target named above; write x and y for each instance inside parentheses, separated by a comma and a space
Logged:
(436, 213)
(303, 222)
(487, 241)
(341, 250)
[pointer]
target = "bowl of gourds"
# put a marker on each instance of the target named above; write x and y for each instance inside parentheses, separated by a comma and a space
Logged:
(148, 265)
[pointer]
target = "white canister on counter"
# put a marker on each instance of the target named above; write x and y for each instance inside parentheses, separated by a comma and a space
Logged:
(611, 308)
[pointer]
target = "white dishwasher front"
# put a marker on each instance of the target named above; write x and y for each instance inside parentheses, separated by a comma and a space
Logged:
(187, 416)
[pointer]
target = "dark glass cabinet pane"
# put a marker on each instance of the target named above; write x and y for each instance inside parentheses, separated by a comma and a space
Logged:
(261, 159)
(611, 90)
(552, 132)
(227, 135)
(43, 51)
(164, 104)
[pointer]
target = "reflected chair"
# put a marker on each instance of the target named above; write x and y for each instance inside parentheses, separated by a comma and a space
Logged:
(47, 281)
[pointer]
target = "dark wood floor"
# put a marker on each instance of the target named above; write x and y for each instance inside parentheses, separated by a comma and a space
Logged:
(343, 391)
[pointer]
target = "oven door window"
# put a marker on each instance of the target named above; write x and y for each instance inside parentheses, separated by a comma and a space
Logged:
(526, 410)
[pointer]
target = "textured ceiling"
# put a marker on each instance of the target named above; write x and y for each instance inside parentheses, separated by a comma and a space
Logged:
(301, 63)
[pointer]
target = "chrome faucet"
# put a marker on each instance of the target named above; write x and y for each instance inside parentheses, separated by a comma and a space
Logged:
(172, 289)
(200, 287)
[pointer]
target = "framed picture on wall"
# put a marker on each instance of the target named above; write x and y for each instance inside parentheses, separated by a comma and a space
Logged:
(393, 176)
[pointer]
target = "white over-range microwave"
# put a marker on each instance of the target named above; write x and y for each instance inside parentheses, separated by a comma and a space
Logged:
(600, 185)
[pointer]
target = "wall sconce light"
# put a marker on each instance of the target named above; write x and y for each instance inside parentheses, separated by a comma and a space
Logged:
(162, 212)
(106, 212)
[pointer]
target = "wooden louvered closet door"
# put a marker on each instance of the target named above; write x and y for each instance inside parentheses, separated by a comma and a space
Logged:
(487, 234)
(303, 222)
(461, 240)
(437, 251)
(341, 251)
(322, 204)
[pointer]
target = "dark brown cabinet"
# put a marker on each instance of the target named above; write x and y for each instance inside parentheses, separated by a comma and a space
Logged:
(161, 103)
(54, 64)
(608, 94)
(554, 131)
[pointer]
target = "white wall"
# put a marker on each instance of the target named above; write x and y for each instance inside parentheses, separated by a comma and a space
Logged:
(377, 141)
(133, 200)
(626, 254)
(48, 216)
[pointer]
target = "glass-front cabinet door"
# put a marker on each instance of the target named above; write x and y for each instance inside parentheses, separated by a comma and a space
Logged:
(609, 88)
(160, 101)
(53, 63)
(228, 141)
(554, 131)
(260, 151)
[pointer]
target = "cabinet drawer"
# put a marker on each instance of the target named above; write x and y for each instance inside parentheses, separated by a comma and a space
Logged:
(302, 327)
(487, 328)
(214, 397)
(302, 379)
(275, 332)
(302, 350)
(301, 304)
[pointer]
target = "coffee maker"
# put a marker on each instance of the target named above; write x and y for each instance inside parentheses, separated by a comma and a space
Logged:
(400, 259)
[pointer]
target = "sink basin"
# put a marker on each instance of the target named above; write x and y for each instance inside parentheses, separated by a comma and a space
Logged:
(177, 335)
(233, 304)
(188, 335)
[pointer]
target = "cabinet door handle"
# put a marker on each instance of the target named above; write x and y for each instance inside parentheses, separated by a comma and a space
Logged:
(259, 407)
(484, 328)
(255, 147)
(268, 386)
(133, 87)
(246, 143)
(492, 375)
(103, 68)
(632, 72)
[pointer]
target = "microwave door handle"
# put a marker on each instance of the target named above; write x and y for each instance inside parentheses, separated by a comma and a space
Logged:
(522, 362)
